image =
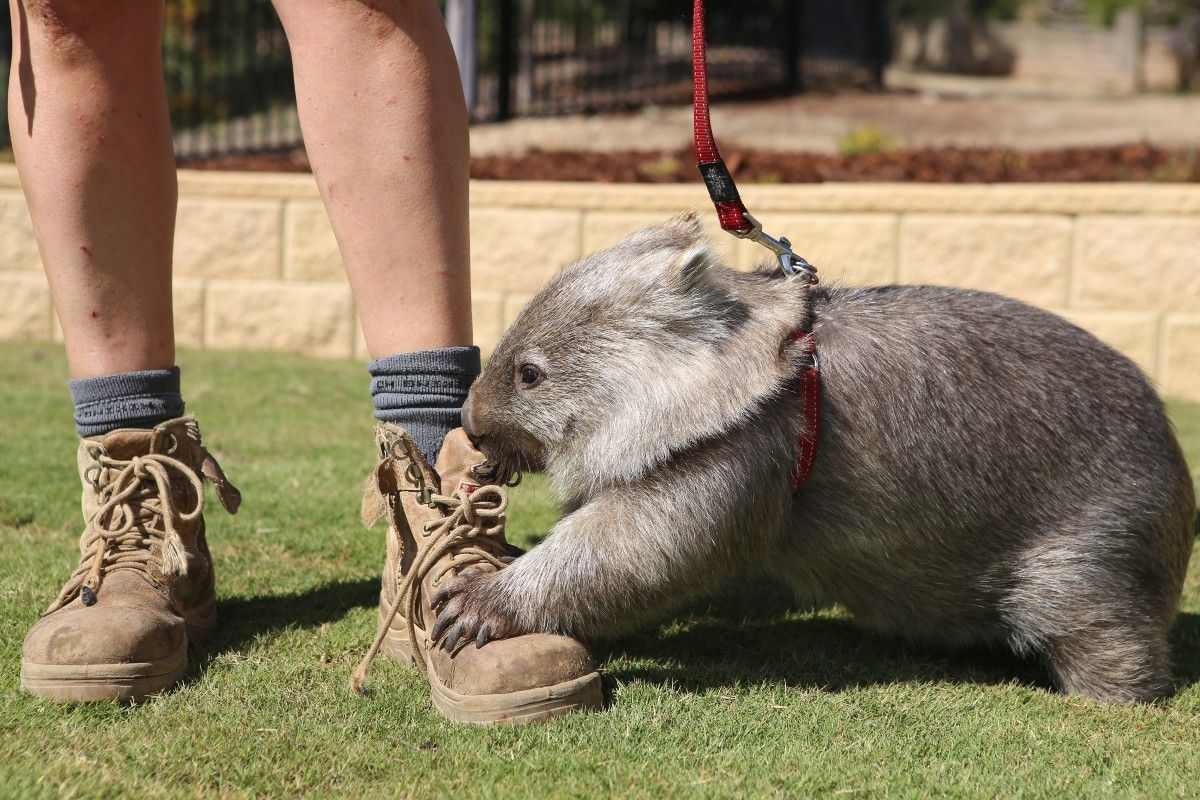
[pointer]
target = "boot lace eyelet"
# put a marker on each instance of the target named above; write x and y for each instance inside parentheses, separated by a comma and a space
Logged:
(169, 443)
(92, 476)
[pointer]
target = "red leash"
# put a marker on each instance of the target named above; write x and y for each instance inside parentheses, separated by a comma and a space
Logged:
(730, 210)
(737, 220)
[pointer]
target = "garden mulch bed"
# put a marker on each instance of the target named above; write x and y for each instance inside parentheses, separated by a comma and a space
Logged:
(1134, 162)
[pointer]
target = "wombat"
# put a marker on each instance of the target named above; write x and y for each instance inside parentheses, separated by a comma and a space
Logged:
(986, 472)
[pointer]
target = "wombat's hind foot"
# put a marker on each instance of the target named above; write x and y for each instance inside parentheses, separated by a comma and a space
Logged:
(1113, 665)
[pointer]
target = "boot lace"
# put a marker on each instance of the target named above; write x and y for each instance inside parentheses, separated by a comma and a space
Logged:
(470, 532)
(135, 526)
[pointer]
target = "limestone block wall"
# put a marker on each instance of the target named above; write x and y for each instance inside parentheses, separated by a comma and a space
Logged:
(257, 266)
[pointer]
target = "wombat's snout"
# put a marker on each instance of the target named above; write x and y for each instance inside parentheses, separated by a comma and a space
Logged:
(468, 425)
(477, 425)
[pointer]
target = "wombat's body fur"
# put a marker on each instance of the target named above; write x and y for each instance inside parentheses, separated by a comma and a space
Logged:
(986, 472)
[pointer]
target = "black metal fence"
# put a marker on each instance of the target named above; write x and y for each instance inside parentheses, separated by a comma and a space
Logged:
(573, 56)
(229, 77)
(230, 83)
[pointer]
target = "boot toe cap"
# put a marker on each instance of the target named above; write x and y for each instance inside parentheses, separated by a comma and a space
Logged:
(532, 661)
(84, 636)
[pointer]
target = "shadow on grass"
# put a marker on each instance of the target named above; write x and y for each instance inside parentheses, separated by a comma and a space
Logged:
(747, 636)
(1186, 649)
(742, 635)
(243, 619)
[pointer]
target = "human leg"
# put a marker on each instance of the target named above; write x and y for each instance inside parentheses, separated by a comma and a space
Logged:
(92, 141)
(385, 126)
(88, 113)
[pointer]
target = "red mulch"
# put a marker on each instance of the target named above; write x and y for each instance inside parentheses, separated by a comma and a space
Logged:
(1135, 162)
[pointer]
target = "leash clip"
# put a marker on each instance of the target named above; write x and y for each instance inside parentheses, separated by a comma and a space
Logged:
(790, 261)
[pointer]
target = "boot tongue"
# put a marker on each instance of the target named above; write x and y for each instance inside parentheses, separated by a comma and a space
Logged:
(454, 463)
(124, 444)
(169, 437)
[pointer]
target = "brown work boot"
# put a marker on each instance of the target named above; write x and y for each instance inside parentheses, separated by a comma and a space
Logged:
(119, 629)
(431, 538)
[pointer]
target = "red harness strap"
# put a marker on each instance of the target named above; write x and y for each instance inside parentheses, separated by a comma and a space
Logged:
(809, 389)
(737, 220)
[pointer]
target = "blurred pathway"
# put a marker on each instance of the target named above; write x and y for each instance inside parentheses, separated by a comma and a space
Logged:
(932, 111)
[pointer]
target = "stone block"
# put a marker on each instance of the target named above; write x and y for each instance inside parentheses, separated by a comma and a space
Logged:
(1138, 262)
(1134, 333)
(517, 250)
(311, 251)
(603, 229)
(1027, 257)
(188, 302)
(854, 249)
(311, 318)
(24, 307)
(512, 307)
(229, 238)
(18, 248)
(487, 319)
(1181, 364)
(360, 341)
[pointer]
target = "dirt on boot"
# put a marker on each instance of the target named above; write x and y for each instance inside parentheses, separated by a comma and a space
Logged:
(431, 538)
(144, 588)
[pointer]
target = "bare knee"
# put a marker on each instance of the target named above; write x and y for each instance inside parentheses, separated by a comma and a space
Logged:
(73, 28)
(64, 18)
(365, 20)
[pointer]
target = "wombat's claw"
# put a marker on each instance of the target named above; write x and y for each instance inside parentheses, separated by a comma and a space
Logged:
(439, 627)
(455, 634)
(484, 636)
(443, 595)
(449, 630)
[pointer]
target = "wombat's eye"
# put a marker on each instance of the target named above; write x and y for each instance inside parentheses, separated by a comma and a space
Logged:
(529, 376)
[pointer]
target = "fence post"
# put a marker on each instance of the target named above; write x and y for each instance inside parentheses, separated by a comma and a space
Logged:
(460, 24)
(525, 54)
(6, 50)
(793, 45)
(879, 44)
(1128, 36)
(506, 60)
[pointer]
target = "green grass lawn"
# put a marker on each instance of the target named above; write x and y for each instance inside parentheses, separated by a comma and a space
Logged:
(739, 695)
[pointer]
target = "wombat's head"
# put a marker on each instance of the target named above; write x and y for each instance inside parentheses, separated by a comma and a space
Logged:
(632, 354)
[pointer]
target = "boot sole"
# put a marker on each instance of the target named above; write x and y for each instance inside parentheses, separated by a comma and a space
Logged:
(121, 683)
(538, 704)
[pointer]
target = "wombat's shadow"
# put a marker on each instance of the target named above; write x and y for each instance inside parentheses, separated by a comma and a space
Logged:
(744, 633)
(753, 633)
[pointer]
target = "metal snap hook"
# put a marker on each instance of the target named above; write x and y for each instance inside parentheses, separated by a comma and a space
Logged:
(790, 262)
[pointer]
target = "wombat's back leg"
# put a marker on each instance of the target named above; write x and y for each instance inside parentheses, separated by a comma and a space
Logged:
(1099, 617)
(1120, 664)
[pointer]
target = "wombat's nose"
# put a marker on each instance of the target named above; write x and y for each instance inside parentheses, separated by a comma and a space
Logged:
(467, 426)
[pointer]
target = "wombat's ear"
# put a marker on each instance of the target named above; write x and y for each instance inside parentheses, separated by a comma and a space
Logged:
(690, 272)
(689, 224)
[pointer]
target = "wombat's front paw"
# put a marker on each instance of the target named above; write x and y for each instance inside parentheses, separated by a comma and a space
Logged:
(471, 608)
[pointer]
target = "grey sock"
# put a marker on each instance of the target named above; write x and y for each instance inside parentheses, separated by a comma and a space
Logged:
(424, 391)
(140, 399)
